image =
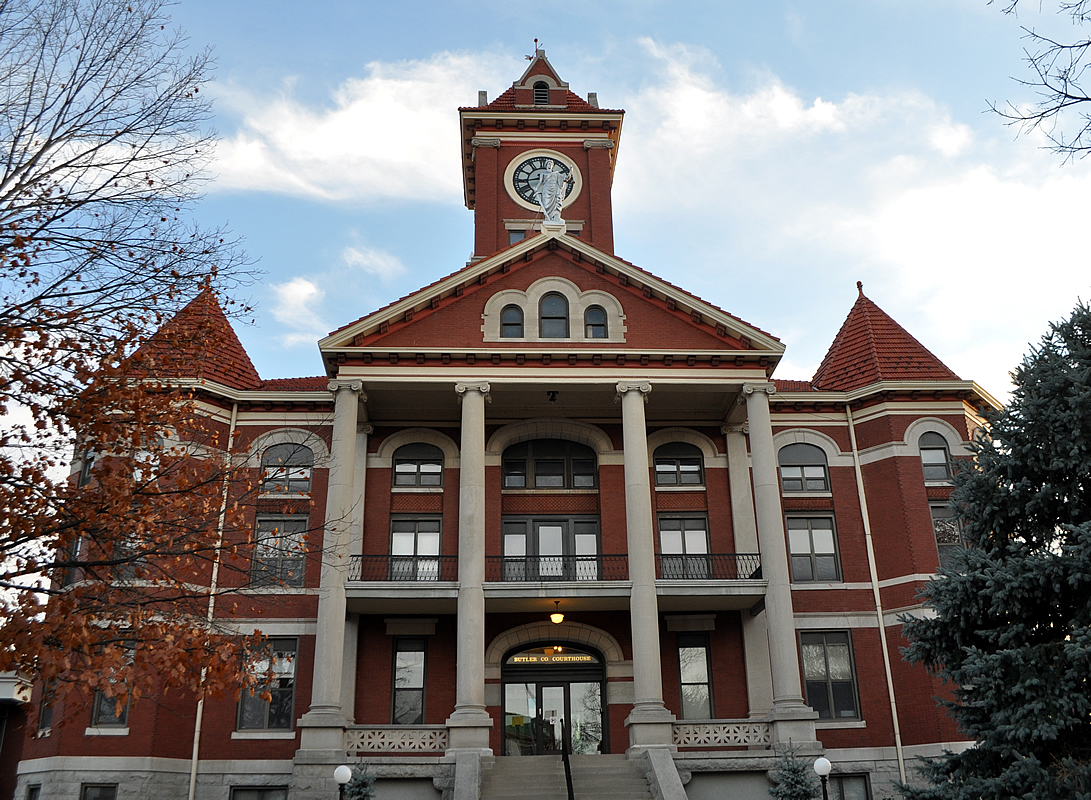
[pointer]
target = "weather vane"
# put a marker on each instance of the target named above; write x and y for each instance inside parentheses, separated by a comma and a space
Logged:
(531, 58)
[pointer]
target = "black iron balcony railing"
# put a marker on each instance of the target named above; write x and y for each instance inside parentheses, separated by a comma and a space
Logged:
(404, 568)
(708, 567)
(522, 569)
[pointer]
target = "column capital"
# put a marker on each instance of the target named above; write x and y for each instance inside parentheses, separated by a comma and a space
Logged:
(353, 386)
(750, 388)
(475, 386)
(742, 427)
(366, 428)
(481, 141)
(644, 387)
(598, 144)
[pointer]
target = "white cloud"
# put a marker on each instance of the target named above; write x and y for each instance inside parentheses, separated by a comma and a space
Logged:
(383, 265)
(295, 310)
(391, 134)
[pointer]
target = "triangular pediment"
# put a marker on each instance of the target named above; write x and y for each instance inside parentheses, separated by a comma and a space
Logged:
(448, 313)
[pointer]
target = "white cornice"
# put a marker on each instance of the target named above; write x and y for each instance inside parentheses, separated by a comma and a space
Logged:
(251, 395)
(901, 387)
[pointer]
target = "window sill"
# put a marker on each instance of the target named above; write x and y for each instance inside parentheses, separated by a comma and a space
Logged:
(939, 484)
(836, 724)
(805, 585)
(696, 487)
(284, 495)
(806, 494)
(276, 590)
(106, 731)
(549, 491)
(263, 734)
(416, 489)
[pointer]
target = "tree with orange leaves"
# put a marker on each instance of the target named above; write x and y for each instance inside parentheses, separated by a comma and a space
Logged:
(108, 576)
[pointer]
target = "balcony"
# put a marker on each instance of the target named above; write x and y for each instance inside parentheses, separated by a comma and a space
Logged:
(404, 568)
(708, 581)
(384, 584)
(534, 569)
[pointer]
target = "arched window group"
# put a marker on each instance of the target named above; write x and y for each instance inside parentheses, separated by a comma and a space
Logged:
(803, 468)
(418, 464)
(679, 464)
(553, 320)
(550, 464)
(935, 458)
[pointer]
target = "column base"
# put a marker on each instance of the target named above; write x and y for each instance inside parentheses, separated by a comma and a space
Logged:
(793, 727)
(468, 729)
(649, 726)
(323, 732)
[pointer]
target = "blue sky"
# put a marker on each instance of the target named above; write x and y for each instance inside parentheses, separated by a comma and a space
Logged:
(772, 155)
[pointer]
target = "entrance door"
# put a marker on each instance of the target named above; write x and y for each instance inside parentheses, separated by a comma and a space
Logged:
(552, 705)
(535, 715)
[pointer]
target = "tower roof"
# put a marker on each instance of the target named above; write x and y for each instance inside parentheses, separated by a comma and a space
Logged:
(199, 342)
(872, 347)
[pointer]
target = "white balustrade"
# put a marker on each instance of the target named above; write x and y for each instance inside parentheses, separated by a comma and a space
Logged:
(722, 733)
(395, 739)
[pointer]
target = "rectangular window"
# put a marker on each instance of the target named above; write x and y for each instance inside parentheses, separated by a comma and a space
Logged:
(849, 787)
(549, 473)
(693, 670)
(34, 792)
(279, 551)
(259, 793)
(45, 709)
(516, 236)
(408, 690)
(98, 791)
(272, 705)
(948, 531)
(106, 713)
(515, 474)
(418, 472)
(934, 461)
(683, 547)
(813, 549)
(829, 674)
(805, 478)
(414, 548)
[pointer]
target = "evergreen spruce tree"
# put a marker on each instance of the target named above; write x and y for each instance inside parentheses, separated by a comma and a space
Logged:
(796, 779)
(1011, 632)
(362, 784)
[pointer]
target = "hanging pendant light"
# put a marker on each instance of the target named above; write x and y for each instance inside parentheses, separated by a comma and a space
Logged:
(557, 617)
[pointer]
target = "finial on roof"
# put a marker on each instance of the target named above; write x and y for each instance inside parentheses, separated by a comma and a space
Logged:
(860, 287)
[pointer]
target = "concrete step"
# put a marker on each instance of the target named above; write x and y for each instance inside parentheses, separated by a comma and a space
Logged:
(608, 776)
(516, 777)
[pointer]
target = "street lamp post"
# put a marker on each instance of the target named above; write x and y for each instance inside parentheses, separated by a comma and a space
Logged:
(342, 775)
(823, 766)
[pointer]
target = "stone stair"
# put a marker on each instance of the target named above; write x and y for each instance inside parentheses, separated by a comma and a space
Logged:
(608, 777)
(523, 777)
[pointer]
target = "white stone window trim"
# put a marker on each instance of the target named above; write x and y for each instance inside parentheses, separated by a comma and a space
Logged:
(383, 457)
(106, 731)
(834, 456)
(265, 734)
(712, 457)
(416, 490)
(833, 724)
(807, 494)
(530, 300)
(288, 436)
(689, 487)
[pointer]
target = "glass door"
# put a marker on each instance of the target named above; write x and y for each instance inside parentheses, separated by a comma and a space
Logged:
(552, 707)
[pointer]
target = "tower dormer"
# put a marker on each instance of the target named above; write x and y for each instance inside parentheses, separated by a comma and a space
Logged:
(506, 142)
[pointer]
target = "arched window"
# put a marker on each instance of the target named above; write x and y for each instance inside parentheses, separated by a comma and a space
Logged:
(549, 464)
(553, 317)
(511, 322)
(418, 465)
(679, 464)
(594, 321)
(935, 459)
(803, 468)
(287, 468)
(541, 93)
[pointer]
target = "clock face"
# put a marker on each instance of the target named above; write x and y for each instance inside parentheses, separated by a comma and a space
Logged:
(528, 173)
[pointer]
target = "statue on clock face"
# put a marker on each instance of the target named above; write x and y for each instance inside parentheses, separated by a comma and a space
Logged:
(545, 182)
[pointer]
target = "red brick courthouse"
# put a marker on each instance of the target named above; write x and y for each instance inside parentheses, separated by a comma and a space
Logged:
(552, 430)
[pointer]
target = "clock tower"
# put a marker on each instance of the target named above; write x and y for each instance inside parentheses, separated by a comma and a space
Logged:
(537, 125)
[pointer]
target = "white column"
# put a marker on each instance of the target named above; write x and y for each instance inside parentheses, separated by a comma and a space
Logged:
(356, 547)
(469, 725)
(650, 722)
(755, 634)
(323, 725)
(792, 719)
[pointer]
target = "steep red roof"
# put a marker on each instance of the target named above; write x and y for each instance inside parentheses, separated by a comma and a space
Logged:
(573, 102)
(872, 347)
(792, 386)
(316, 384)
(198, 342)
